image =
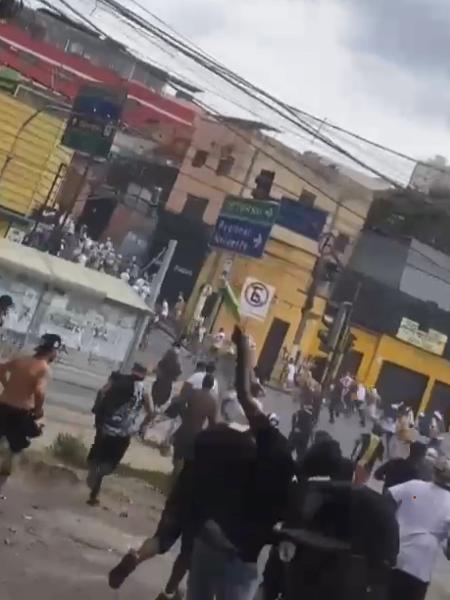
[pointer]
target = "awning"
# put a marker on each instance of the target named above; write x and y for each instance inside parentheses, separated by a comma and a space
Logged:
(67, 275)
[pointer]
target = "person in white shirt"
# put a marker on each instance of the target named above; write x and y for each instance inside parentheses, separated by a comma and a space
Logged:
(291, 371)
(361, 403)
(196, 379)
(164, 309)
(423, 515)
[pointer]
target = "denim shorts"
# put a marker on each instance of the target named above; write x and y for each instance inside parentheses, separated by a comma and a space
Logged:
(215, 575)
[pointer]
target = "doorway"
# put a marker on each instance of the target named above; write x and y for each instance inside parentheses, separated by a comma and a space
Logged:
(96, 215)
(350, 363)
(396, 384)
(440, 400)
(271, 348)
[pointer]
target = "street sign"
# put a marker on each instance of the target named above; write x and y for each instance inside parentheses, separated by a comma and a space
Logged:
(242, 237)
(94, 118)
(256, 298)
(256, 211)
(244, 226)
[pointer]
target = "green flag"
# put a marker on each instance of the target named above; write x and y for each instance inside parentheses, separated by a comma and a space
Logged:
(230, 301)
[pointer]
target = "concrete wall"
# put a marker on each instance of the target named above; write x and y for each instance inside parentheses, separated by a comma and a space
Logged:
(86, 324)
(379, 257)
(427, 275)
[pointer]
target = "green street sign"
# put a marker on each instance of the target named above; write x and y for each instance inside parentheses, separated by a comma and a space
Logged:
(255, 211)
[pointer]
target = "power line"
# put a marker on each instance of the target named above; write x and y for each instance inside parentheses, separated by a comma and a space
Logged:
(295, 109)
(340, 205)
(235, 80)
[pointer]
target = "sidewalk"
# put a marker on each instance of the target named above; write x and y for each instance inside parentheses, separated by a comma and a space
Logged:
(62, 420)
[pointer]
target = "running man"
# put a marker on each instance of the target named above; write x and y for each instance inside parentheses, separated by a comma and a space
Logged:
(117, 420)
(24, 381)
(423, 515)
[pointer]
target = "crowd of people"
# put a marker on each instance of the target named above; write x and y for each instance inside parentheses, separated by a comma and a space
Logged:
(77, 246)
(239, 485)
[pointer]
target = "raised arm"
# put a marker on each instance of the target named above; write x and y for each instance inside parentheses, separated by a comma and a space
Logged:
(244, 376)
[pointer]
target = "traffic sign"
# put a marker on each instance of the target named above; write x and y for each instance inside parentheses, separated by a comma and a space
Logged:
(244, 225)
(256, 211)
(256, 298)
(242, 237)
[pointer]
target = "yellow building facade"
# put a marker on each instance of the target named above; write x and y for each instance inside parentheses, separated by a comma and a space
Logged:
(289, 257)
(377, 350)
(32, 163)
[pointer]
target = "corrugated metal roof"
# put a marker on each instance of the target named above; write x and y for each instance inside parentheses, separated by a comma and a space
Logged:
(68, 275)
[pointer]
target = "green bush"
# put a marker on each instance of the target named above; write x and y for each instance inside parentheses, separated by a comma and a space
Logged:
(69, 449)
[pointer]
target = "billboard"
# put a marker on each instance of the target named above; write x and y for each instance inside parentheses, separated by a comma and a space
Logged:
(94, 119)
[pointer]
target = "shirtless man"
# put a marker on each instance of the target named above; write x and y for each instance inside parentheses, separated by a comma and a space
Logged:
(200, 409)
(24, 381)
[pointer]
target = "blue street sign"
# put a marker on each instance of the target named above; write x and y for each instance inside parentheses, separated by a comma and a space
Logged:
(241, 236)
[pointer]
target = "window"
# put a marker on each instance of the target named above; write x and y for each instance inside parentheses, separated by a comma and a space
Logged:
(307, 198)
(341, 242)
(194, 208)
(225, 165)
(200, 158)
(76, 48)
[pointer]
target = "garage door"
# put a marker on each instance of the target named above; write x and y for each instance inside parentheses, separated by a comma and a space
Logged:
(396, 384)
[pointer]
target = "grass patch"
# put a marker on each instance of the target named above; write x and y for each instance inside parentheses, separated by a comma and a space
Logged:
(69, 449)
(72, 451)
(156, 479)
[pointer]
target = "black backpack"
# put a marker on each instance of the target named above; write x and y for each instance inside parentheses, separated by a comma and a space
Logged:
(346, 541)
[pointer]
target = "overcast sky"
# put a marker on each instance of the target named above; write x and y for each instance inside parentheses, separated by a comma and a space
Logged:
(378, 67)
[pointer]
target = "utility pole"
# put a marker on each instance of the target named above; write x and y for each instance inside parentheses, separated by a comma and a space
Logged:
(161, 274)
(311, 292)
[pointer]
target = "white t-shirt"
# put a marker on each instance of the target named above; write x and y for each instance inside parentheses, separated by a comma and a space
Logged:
(424, 520)
(361, 393)
(290, 372)
(196, 380)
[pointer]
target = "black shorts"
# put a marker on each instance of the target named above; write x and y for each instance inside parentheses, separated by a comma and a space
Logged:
(161, 391)
(108, 449)
(18, 426)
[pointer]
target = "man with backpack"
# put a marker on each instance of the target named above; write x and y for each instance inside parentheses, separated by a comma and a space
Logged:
(117, 410)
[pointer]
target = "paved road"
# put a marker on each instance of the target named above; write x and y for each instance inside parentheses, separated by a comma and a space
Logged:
(77, 392)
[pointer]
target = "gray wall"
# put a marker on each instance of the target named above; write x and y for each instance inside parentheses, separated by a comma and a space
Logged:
(379, 257)
(427, 275)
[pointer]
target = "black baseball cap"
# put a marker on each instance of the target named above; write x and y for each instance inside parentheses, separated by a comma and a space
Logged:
(50, 341)
(6, 301)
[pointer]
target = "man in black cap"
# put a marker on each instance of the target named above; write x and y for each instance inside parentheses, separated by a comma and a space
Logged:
(24, 381)
(117, 412)
(6, 303)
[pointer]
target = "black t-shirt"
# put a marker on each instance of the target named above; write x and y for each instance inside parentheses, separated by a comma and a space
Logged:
(239, 480)
(359, 545)
(396, 471)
